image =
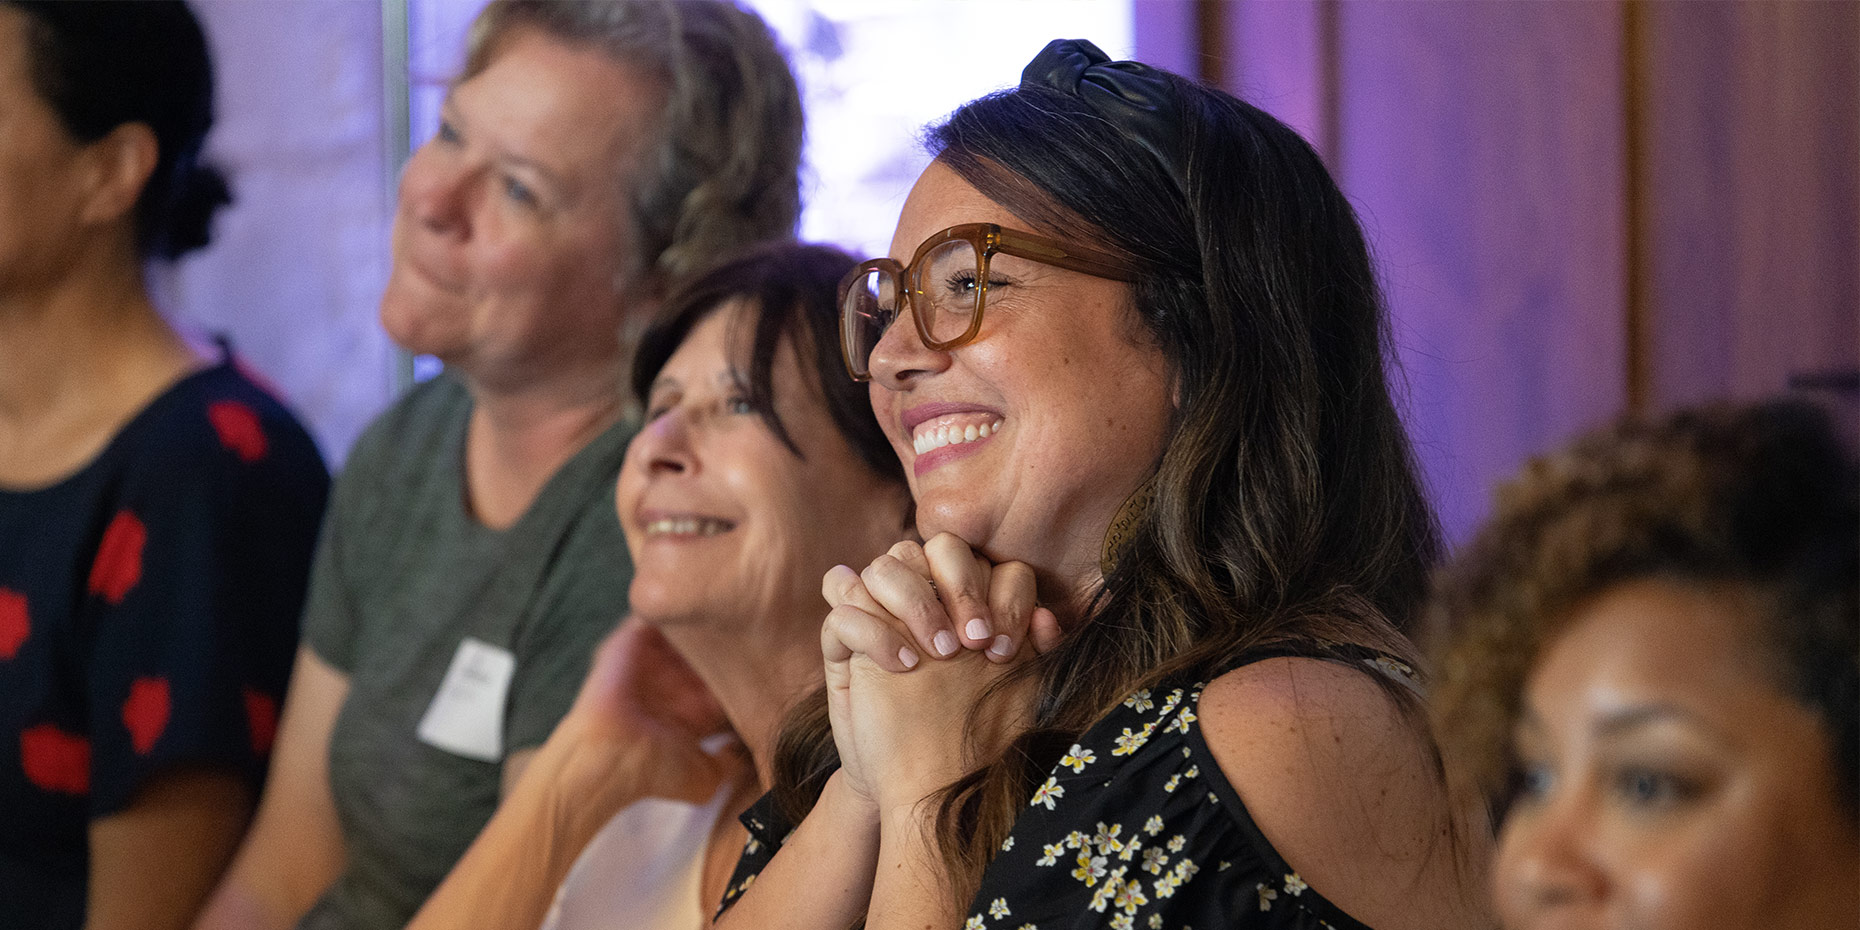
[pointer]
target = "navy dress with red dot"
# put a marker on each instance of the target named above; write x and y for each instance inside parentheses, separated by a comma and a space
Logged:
(149, 610)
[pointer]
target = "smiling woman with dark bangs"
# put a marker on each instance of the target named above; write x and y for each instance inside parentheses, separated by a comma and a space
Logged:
(758, 467)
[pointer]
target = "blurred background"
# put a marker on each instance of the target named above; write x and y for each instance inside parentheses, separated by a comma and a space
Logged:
(1580, 208)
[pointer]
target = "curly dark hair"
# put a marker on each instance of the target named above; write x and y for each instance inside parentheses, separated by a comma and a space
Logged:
(1762, 497)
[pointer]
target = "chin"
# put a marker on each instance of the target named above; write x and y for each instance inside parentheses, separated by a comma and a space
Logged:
(663, 605)
(967, 522)
(401, 321)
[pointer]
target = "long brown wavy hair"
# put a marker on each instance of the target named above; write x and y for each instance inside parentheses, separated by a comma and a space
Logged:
(1287, 511)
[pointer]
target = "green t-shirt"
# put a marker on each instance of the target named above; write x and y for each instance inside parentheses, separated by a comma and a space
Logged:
(403, 576)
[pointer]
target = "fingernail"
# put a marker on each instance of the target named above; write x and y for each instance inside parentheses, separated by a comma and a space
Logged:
(978, 629)
(945, 643)
(908, 656)
(1003, 646)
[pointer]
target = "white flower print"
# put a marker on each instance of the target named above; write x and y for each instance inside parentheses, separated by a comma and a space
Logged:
(1174, 781)
(998, 908)
(1052, 851)
(1075, 839)
(1140, 701)
(1396, 670)
(1294, 885)
(1156, 921)
(974, 923)
(1078, 757)
(1176, 843)
(1154, 859)
(1183, 870)
(1047, 794)
(1131, 742)
(1266, 897)
(1170, 702)
(1102, 897)
(1194, 771)
(1121, 922)
(1091, 868)
(1181, 721)
(1107, 839)
(1007, 844)
(1129, 895)
(750, 848)
(1153, 825)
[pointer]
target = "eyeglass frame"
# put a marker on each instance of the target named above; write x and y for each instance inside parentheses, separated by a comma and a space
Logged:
(987, 239)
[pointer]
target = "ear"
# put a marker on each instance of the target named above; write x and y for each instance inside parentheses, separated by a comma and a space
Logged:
(121, 163)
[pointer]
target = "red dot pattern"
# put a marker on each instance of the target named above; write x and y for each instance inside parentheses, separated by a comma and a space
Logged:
(119, 558)
(54, 760)
(261, 718)
(15, 622)
(146, 713)
(239, 429)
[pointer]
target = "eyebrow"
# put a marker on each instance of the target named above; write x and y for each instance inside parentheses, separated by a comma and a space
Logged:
(1621, 721)
(449, 112)
(1618, 722)
(730, 377)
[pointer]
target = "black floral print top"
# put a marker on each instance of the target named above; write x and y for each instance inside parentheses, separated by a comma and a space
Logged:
(1134, 828)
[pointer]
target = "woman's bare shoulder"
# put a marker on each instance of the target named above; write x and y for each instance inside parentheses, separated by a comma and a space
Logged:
(1343, 781)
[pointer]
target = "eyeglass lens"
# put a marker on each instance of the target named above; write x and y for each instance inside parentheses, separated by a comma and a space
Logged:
(946, 291)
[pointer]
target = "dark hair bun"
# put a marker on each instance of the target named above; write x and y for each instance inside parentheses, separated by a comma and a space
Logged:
(200, 192)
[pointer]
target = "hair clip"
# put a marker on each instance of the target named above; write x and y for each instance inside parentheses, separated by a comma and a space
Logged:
(1130, 95)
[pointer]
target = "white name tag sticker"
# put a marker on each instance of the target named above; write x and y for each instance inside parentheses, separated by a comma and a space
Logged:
(466, 717)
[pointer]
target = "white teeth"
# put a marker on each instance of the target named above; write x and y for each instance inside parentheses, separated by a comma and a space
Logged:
(931, 439)
(687, 526)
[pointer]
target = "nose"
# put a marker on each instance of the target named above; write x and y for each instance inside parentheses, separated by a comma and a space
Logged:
(901, 358)
(664, 446)
(1547, 860)
(434, 191)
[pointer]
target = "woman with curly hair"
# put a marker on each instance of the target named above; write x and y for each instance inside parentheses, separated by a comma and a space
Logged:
(1654, 676)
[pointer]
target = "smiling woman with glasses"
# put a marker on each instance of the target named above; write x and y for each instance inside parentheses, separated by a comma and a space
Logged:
(1146, 667)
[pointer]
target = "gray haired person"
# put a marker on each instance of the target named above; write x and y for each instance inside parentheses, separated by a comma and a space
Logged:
(590, 154)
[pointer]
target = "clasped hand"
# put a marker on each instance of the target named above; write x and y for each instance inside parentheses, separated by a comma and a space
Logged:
(910, 644)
